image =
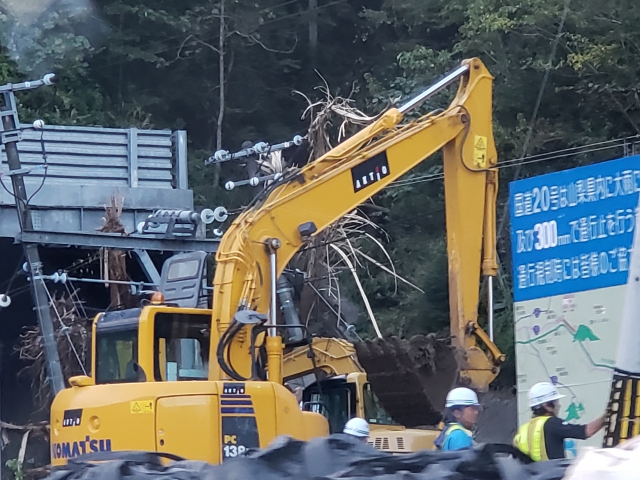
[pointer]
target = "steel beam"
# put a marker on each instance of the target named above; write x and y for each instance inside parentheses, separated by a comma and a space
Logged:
(106, 240)
(148, 266)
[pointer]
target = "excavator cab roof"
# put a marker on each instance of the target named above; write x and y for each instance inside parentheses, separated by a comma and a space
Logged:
(118, 320)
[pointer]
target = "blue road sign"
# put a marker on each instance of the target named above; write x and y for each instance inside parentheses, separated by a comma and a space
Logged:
(572, 231)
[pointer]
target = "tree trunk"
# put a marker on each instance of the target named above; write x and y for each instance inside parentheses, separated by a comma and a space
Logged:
(221, 98)
(313, 31)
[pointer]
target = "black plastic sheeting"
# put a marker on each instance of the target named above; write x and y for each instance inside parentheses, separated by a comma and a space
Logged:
(334, 457)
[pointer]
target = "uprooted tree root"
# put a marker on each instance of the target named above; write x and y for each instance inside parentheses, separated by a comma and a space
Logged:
(113, 261)
(73, 337)
(338, 248)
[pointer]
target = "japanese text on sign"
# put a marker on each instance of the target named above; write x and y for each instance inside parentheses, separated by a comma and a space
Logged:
(572, 230)
(556, 196)
(584, 229)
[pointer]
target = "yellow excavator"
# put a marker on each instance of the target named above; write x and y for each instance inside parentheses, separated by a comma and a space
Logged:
(208, 384)
(341, 391)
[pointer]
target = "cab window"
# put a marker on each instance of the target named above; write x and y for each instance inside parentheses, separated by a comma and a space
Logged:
(374, 412)
(181, 346)
(117, 352)
(336, 402)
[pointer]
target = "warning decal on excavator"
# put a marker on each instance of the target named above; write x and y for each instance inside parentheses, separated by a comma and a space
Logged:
(370, 171)
(480, 151)
(142, 406)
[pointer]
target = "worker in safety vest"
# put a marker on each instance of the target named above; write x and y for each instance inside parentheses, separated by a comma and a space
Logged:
(460, 419)
(542, 438)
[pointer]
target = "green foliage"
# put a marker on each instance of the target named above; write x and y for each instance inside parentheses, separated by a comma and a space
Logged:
(591, 94)
(15, 466)
(157, 65)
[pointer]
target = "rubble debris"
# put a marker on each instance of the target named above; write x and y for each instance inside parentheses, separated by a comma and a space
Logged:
(334, 457)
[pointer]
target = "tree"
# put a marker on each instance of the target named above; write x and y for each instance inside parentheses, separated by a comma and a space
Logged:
(225, 71)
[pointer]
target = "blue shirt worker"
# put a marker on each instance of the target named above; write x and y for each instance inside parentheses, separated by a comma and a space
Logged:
(460, 419)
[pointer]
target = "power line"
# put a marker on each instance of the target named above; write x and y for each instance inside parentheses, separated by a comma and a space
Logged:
(542, 157)
(11, 279)
(534, 116)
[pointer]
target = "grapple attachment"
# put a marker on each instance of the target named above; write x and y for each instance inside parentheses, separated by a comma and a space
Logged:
(410, 377)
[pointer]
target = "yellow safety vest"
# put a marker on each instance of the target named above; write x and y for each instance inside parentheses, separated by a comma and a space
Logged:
(530, 439)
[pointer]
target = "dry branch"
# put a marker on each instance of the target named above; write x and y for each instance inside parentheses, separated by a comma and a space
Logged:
(73, 337)
(338, 247)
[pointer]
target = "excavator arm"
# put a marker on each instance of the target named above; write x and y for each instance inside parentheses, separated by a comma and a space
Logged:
(327, 356)
(412, 397)
(264, 238)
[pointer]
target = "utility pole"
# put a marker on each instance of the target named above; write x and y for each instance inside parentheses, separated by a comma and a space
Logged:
(9, 136)
(313, 32)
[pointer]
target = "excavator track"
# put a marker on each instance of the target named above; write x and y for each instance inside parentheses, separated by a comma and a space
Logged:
(410, 377)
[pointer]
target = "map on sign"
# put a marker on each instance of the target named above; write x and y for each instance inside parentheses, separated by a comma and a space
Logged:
(570, 340)
(571, 235)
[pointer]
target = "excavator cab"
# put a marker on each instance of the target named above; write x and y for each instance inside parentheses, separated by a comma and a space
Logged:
(343, 397)
(178, 328)
(334, 398)
(338, 398)
(176, 349)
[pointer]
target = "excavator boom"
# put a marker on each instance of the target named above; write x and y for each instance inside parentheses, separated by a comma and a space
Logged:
(263, 239)
(325, 357)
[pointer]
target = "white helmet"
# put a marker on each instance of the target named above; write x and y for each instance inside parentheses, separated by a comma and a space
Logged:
(461, 397)
(543, 392)
(357, 427)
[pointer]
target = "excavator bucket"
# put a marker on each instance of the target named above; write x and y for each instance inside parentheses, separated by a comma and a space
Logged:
(410, 377)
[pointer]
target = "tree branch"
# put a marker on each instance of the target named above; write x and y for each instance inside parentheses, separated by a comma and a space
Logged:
(196, 41)
(217, 51)
(182, 45)
(255, 40)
